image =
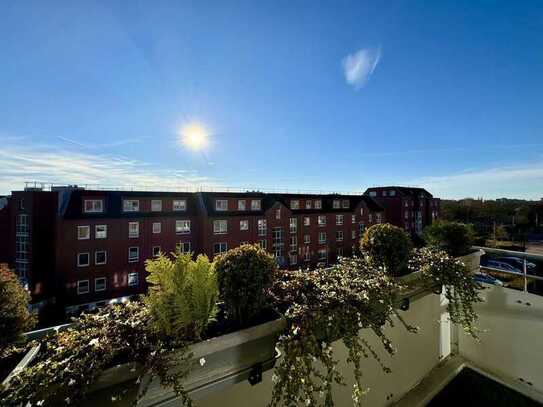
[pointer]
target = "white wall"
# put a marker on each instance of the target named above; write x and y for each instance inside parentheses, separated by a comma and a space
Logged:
(417, 355)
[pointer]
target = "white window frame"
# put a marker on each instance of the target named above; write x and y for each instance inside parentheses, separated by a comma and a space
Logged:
(95, 208)
(294, 204)
(97, 233)
(134, 259)
(339, 235)
(244, 224)
(135, 277)
(256, 204)
(262, 227)
(307, 221)
(154, 249)
(179, 205)
(83, 227)
(182, 227)
(345, 204)
(278, 214)
(293, 225)
(96, 257)
(321, 220)
(131, 205)
(221, 244)
(308, 204)
(263, 244)
(156, 205)
(157, 228)
(180, 247)
(307, 239)
(220, 226)
(353, 219)
(242, 205)
(336, 204)
(96, 280)
(318, 204)
(79, 264)
(131, 233)
(293, 259)
(79, 291)
(323, 257)
(321, 240)
(221, 205)
(339, 219)
(353, 234)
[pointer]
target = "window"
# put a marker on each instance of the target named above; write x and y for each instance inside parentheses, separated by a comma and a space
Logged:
(307, 204)
(133, 229)
(244, 224)
(293, 225)
(179, 205)
(220, 226)
(307, 239)
(278, 244)
(322, 237)
(362, 227)
(353, 219)
(82, 287)
(133, 279)
(255, 205)
(221, 205)
(321, 220)
(322, 254)
(373, 193)
(131, 205)
(295, 204)
(93, 206)
(336, 204)
(156, 205)
(353, 234)
(307, 220)
(219, 248)
(340, 251)
(133, 254)
(370, 218)
(293, 258)
(83, 259)
(100, 231)
(294, 243)
(22, 225)
(345, 204)
(183, 247)
(100, 284)
(391, 193)
(339, 219)
(83, 232)
(243, 243)
(406, 215)
(241, 205)
(263, 244)
(278, 213)
(339, 236)
(156, 251)
(182, 227)
(262, 227)
(100, 257)
(307, 254)
(406, 204)
(361, 211)
(378, 217)
(22, 204)
(318, 204)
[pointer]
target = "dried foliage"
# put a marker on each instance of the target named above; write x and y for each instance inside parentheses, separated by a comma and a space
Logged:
(321, 307)
(387, 246)
(14, 315)
(245, 274)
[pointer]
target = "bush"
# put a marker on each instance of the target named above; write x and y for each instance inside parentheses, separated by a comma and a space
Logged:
(387, 246)
(453, 237)
(245, 274)
(182, 295)
(15, 317)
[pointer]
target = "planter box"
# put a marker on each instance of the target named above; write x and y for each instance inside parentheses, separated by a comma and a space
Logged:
(213, 360)
(25, 360)
(472, 260)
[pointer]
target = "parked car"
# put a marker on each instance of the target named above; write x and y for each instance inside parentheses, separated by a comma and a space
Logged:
(485, 278)
(517, 262)
(500, 265)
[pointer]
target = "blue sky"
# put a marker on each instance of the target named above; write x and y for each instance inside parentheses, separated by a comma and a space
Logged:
(336, 96)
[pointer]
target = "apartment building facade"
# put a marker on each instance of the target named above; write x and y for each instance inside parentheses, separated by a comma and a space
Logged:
(410, 208)
(86, 248)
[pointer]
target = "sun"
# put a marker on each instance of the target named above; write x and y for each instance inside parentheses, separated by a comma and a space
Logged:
(194, 136)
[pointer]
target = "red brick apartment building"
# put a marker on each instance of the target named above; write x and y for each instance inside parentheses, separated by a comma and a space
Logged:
(409, 208)
(86, 247)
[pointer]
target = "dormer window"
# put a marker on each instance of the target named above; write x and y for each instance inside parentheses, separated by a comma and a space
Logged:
(336, 204)
(255, 204)
(392, 193)
(241, 205)
(294, 204)
(131, 205)
(179, 205)
(318, 204)
(373, 193)
(308, 204)
(156, 205)
(345, 204)
(93, 206)
(221, 205)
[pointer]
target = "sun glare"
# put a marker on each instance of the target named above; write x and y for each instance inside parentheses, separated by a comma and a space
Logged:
(195, 136)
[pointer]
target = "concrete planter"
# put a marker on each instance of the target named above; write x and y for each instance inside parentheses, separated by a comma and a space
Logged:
(472, 260)
(214, 360)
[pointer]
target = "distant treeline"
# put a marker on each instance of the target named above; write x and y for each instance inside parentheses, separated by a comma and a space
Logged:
(503, 219)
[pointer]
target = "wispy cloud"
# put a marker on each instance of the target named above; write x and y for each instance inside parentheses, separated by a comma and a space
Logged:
(116, 143)
(516, 181)
(24, 162)
(358, 66)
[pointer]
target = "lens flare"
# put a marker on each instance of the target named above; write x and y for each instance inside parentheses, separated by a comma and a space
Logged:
(195, 136)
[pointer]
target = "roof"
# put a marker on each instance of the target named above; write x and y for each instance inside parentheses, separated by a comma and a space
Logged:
(404, 191)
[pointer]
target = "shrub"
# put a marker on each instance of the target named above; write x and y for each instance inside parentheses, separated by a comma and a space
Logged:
(14, 315)
(453, 237)
(245, 274)
(387, 246)
(182, 296)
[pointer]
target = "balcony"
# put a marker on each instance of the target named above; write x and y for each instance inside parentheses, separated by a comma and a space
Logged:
(509, 355)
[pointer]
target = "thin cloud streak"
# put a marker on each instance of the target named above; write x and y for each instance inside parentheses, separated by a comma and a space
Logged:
(359, 66)
(101, 145)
